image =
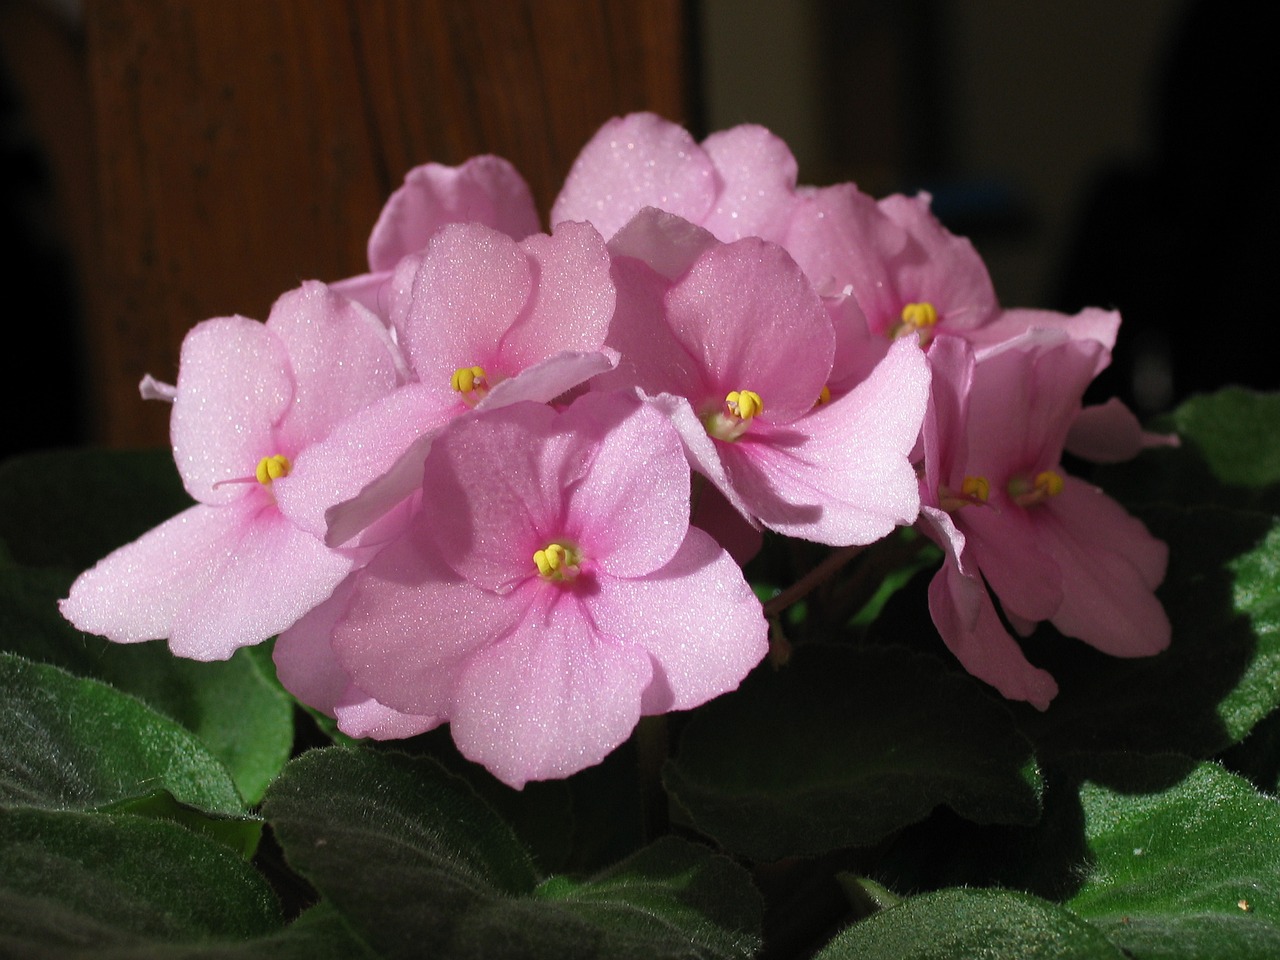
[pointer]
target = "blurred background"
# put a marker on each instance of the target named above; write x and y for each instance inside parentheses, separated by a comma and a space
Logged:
(162, 161)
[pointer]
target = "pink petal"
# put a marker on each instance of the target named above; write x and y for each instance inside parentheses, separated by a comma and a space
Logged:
(840, 475)
(572, 301)
(667, 243)
(631, 510)
(454, 303)
(1110, 433)
(651, 357)
(553, 697)
(1091, 324)
(369, 463)
(359, 715)
(750, 318)
(545, 380)
(496, 487)
(1007, 547)
(304, 661)
(846, 243)
(971, 629)
(137, 592)
(485, 190)
(342, 359)
(267, 575)
(759, 176)
(1110, 566)
(411, 623)
(234, 385)
(696, 616)
(946, 271)
(637, 161)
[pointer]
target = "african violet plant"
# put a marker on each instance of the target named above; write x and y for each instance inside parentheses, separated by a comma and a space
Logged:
(721, 574)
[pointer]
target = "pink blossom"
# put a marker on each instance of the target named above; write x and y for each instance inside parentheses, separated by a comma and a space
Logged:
(738, 183)
(1049, 546)
(486, 190)
(551, 591)
(739, 349)
(251, 404)
(484, 321)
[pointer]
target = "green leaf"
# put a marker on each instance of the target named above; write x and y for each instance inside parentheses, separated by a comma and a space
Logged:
(420, 866)
(1217, 679)
(1189, 870)
(79, 884)
(70, 508)
(236, 707)
(992, 924)
(844, 746)
(67, 743)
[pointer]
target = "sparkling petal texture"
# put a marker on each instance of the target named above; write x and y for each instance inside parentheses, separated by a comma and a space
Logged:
(485, 189)
(634, 162)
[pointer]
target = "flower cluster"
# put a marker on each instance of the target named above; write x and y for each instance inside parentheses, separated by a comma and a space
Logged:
(506, 479)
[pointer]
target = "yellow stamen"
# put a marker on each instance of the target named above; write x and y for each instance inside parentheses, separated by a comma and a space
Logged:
(976, 489)
(272, 468)
(917, 318)
(468, 380)
(824, 397)
(744, 404)
(1026, 492)
(731, 420)
(973, 491)
(557, 562)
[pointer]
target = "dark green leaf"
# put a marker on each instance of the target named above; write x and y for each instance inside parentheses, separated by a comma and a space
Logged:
(844, 746)
(1189, 870)
(420, 866)
(67, 743)
(79, 884)
(236, 706)
(952, 924)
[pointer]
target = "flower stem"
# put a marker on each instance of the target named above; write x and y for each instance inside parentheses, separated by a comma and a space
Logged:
(811, 580)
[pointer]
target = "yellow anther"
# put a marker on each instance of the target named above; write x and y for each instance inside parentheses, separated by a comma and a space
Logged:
(469, 379)
(975, 489)
(824, 397)
(1026, 492)
(1048, 483)
(557, 561)
(272, 468)
(744, 404)
(917, 316)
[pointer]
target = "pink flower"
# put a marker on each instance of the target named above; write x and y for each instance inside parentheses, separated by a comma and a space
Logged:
(1048, 545)
(485, 190)
(739, 350)
(738, 183)
(551, 590)
(484, 321)
(252, 402)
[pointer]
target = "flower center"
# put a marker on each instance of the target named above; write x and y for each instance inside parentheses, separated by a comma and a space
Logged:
(272, 468)
(732, 420)
(974, 490)
(558, 561)
(1027, 492)
(472, 383)
(917, 318)
(824, 397)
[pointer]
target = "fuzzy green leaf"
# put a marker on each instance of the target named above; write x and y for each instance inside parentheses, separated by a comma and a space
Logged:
(420, 866)
(844, 746)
